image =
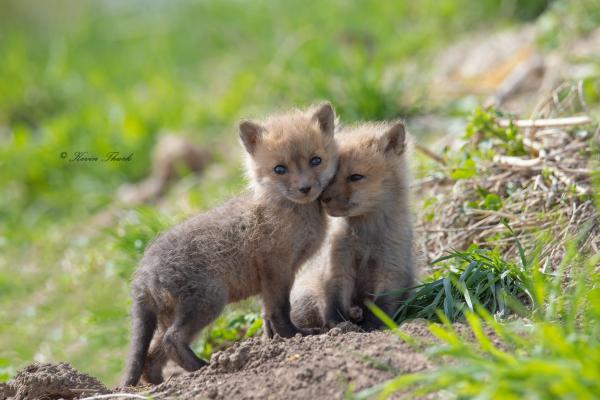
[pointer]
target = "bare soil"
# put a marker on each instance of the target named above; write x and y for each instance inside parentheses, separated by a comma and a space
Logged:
(314, 367)
(50, 381)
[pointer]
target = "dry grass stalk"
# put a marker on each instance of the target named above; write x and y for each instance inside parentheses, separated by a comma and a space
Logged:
(549, 192)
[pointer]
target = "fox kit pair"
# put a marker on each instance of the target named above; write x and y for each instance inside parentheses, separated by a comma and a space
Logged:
(253, 244)
(368, 253)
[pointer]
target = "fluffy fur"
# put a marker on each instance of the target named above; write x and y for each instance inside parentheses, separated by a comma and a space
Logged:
(253, 244)
(368, 252)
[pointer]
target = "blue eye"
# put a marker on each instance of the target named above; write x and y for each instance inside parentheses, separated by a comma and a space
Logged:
(355, 177)
(280, 169)
(315, 161)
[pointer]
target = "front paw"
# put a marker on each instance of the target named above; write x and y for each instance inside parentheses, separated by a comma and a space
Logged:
(284, 330)
(310, 331)
(333, 321)
(356, 314)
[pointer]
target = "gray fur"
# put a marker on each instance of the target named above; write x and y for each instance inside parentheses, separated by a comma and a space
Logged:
(251, 245)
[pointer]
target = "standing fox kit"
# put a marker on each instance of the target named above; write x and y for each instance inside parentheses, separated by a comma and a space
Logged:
(253, 244)
(369, 251)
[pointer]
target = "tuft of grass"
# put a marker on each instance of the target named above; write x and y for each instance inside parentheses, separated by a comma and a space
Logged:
(475, 277)
(555, 354)
(484, 125)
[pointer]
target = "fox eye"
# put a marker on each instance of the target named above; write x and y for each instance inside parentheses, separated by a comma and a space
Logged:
(315, 161)
(355, 177)
(280, 169)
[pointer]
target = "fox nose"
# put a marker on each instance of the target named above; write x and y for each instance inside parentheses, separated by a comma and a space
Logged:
(305, 189)
(325, 199)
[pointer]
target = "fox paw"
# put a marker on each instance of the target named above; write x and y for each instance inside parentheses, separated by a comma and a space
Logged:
(355, 313)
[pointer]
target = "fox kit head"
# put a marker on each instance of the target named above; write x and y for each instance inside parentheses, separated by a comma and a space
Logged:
(292, 155)
(371, 157)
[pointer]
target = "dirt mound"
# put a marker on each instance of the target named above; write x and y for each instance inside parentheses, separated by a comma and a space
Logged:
(316, 367)
(50, 381)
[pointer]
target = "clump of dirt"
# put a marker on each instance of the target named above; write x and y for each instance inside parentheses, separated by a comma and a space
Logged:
(317, 367)
(50, 381)
(5, 391)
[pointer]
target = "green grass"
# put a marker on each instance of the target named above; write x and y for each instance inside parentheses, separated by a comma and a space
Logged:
(553, 353)
(476, 277)
(472, 278)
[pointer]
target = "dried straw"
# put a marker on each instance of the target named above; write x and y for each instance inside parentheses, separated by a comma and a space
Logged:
(550, 189)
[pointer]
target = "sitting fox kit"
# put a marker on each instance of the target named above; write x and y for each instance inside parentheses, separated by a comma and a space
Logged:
(368, 254)
(253, 244)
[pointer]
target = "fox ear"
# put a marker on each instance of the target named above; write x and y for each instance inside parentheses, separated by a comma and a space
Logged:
(325, 116)
(394, 139)
(251, 134)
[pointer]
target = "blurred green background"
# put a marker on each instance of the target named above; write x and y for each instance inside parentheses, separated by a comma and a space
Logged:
(102, 76)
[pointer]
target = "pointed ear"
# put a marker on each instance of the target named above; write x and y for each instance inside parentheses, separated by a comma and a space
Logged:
(394, 139)
(251, 134)
(325, 117)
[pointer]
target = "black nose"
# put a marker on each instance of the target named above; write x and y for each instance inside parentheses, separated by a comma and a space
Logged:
(305, 189)
(325, 199)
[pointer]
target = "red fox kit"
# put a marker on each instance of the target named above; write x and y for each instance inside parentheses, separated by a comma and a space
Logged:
(368, 253)
(253, 244)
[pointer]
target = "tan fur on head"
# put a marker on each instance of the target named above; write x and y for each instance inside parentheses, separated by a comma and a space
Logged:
(291, 140)
(372, 161)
